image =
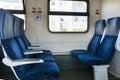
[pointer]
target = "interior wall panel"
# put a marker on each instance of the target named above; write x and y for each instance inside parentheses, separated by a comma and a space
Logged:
(37, 31)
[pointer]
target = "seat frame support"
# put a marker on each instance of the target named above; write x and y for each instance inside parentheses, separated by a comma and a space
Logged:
(100, 72)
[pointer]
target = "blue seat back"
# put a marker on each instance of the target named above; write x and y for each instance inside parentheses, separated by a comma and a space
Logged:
(26, 40)
(107, 48)
(12, 49)
(18, 34)
(7, 30)
(9, 43)
(95, 42)
(2, 20)
(21, 42)
(16, 27)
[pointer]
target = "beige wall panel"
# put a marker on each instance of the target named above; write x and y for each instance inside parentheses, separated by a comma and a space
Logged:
(37, 31)
(110, 8)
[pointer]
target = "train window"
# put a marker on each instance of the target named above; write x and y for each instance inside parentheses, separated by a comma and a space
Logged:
(15, 6)
(11, 4)
(68, 15)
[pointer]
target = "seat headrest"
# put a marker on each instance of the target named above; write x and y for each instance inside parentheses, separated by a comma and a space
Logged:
(99, 26)
(17, 26)
(2, 18)
(113, 26)
(8, 26)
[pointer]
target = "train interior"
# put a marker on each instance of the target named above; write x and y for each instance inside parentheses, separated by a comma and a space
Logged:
(59, 40)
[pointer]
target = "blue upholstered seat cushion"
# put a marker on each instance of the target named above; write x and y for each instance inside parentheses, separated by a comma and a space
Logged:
(77, 52)
(30, 71)
(104, 54)
(88, 59)
(92, 47)
(45, 57)
(38, 71)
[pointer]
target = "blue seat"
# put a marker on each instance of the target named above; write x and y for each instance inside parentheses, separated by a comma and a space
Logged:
(94, 43)
(34, 71)
(106, 49)
(24, 67)
(46, 55)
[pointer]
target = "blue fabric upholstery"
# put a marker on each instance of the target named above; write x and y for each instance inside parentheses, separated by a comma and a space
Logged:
(21, 42)
(43, 71)
(106, 49)
(8, 26)
(16, 27)
(94, 43)
(46, 56)
(38, 71)
(26, 40)
(2, 18)
(88, 59)
(28, 72)
(6, 20)
(13, 49)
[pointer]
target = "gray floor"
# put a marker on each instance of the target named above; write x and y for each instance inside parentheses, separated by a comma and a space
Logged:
(65, 74)
(76, 74)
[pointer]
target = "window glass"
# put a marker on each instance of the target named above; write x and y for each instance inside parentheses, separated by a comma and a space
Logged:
(68, 16)
(14, 6)
(68, 23)
(68, 6)
(11, 4)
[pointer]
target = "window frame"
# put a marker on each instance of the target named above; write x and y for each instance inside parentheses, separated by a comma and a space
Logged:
(69, 14)
(19, 11)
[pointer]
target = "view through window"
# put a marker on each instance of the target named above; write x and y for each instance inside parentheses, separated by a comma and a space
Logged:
(68, 16)
(11, 4)
(15, 6)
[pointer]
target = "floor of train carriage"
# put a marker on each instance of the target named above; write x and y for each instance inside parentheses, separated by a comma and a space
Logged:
(65, 74)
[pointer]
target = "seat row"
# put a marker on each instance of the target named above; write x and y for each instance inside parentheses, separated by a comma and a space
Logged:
(18, 51)
(101, 48)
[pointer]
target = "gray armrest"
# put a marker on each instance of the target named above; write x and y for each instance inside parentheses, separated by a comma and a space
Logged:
(7, 61)
(35, 47)
(32, 52)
